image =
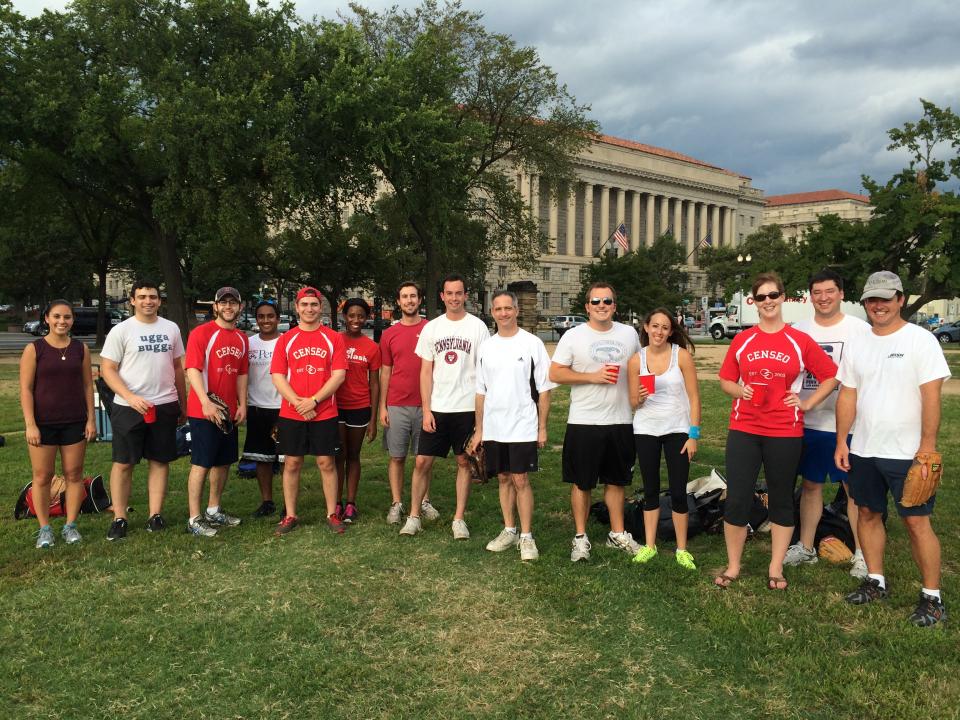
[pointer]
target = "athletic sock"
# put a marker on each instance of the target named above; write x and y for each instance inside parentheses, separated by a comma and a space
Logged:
(581, 535)
(880, 579)
(213, 510)
(932, 593)
(526, 536)
(857, 554)
(510, 529)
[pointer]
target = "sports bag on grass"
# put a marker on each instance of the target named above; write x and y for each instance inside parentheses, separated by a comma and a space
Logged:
(96, 501)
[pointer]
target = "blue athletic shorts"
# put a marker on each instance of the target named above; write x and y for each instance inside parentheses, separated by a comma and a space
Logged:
(816, 463)
(871, 478)
(209, 447)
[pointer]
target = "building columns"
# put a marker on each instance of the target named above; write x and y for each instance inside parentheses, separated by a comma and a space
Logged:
(588, 220)
(664, 214)
(604, 213)
(535, 198)
(651, 201)
(635, 223)
(715, 226)
(678, 221)
(572, 221)
(691, 231)
(553, 229)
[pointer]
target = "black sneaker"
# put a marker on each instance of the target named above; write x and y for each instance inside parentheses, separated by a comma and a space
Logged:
(266, 509)
(156, 523)
(929, 611)
(118, 529)
(868, 591)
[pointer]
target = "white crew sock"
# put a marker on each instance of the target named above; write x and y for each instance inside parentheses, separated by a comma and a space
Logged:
(932, 593)
(879, 578)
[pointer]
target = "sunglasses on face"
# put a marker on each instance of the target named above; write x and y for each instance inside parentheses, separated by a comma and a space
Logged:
(605, 301)
(772, 295)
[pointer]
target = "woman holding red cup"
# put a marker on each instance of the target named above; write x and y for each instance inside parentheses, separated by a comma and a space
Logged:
(666, 399)
(763, 371)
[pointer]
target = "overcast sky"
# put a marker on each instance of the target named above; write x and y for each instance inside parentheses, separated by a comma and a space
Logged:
(796, 95)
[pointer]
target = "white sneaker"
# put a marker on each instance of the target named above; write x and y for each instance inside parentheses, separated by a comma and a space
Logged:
(580, 549)
(460, 530)
(412, 526)
(504, 541)
(428, 512)
(395, 514)
(797, 554)
(623, 541)
(858, 566)
(528, 549)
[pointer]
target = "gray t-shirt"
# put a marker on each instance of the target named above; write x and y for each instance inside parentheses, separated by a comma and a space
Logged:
(584, 350)
(146, 353)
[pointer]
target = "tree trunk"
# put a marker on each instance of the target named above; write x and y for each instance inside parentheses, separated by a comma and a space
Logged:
(176, 301)
(101, 304)
(430, 287)
(910, 309)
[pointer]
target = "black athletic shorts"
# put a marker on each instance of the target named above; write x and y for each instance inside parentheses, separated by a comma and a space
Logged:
(299, 438)
(62, 433)
(210, 447)
(515, 457)
(259, 444)
(356, 418)
(598, 453)
(134, 439)
(453, 431)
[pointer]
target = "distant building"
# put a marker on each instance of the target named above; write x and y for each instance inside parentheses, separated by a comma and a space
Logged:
(796, 213)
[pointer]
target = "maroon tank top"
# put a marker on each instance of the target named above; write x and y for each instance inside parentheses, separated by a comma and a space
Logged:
(58, 384)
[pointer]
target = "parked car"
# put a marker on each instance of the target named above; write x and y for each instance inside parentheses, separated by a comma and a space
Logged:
(948, 333)
(562, 323)
(84, 321)
(31, 327)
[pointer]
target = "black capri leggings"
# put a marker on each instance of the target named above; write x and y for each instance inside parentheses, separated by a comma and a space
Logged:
(678, 469)
(779, 456)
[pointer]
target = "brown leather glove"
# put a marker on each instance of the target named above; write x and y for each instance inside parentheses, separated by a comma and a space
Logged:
(923, 478)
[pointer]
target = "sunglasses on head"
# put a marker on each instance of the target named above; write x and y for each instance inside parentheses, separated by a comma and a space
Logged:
(772, 295)
(605, 301)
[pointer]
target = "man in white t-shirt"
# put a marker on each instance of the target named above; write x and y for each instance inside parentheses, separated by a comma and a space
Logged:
(447, 348)
(508, 421)
(141, 362)
(834, 332)
(598, 444)
(891, 384)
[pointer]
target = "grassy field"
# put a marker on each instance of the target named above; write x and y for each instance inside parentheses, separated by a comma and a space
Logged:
(371, 625)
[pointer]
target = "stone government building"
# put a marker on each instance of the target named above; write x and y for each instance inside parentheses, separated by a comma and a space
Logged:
(650, 190)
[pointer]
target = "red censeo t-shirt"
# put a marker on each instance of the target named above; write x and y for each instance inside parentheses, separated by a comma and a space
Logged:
(363, 356)
(221, 355)
(308, 359)
(779, 360)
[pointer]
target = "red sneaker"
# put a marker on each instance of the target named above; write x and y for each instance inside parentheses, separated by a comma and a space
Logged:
(338, 510)
(336, 524)
(288, 524)
(350, 513)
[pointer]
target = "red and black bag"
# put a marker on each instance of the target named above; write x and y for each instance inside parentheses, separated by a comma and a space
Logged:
(96, 501)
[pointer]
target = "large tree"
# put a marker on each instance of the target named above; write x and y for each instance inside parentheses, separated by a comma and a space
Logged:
(457, 112)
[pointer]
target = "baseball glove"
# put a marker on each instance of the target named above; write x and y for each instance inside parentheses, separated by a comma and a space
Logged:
(922, 479)
(478, 463)
(834, 550)
(223, 421)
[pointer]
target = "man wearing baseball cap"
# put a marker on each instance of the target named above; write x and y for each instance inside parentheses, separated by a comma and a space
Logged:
(217, 364)
(891, 384)
(309, 364)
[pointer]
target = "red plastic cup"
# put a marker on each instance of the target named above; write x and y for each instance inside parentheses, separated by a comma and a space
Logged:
(759, 398)
(649, 382)
(150, 416)
(616, 372)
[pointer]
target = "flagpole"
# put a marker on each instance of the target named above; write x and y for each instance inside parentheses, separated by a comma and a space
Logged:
(606, 242)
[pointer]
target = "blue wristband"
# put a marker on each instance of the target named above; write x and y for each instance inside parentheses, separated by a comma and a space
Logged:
(694, 433)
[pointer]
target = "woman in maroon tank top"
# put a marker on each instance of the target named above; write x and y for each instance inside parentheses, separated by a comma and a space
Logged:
(56, 393)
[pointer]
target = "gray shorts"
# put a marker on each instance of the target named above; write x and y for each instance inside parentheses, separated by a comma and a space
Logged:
(406, 421)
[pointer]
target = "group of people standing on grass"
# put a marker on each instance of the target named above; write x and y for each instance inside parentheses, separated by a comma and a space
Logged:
(447, 384)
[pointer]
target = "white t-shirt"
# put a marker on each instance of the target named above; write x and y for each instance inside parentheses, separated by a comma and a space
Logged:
(667, 411)
(887, 372)
(261, 391)
(451, 345)
(146, 353)
(835, 341)
(584, 350)
(504, 365)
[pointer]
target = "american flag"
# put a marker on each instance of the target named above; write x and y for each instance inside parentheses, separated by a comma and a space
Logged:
(706, 242)
(620, 235)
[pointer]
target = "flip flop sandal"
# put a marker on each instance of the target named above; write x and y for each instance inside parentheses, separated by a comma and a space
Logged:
(722, 582)
(774, 582)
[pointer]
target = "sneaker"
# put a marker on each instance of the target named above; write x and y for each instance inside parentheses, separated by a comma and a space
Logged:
(118, 529)
(644, 554)
(929, 611)
(460, 530)
(797, 554)
(528, 549)
(338, 510)
(350, 513)
(70, 534)
(395, 514)
(288, 524)
(156, 523)
(685, 560)
(504, 541)
(412, 526)
(868, 591)
(45, 537)
(336, 524)
(858, 567)
(266, 509)
(580, 549)
(221, 518)
(199, 527)
(623, 541)
(428, 512)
